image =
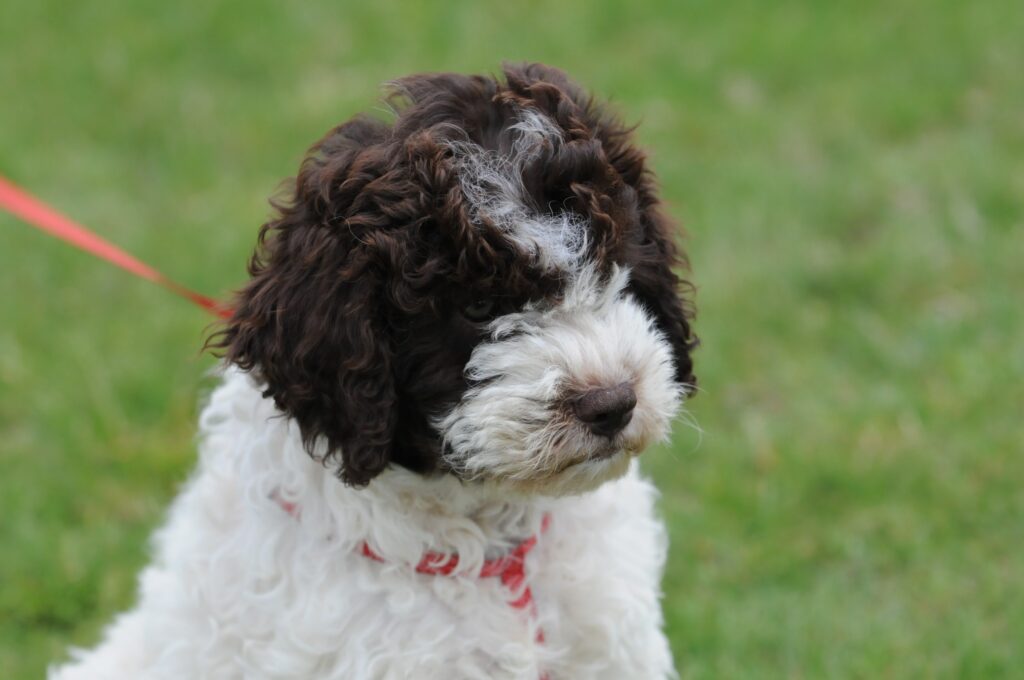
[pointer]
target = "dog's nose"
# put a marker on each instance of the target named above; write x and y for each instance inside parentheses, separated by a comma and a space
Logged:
(606, 411)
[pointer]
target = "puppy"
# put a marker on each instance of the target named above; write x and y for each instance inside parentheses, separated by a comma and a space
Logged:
(461, 328)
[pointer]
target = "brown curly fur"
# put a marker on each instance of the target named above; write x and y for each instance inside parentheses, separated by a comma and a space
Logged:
(351, 316)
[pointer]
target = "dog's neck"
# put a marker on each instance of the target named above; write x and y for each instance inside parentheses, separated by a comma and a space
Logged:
(402, 514)
(412, 514)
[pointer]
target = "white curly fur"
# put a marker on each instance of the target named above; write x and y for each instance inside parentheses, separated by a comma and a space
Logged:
(239, 588)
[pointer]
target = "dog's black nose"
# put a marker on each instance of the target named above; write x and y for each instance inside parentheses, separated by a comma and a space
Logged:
(606, 411)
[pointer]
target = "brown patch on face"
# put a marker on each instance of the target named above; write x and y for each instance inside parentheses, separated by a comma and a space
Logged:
(352, 313)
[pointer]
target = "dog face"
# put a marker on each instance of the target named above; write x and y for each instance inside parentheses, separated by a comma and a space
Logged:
(483, 288)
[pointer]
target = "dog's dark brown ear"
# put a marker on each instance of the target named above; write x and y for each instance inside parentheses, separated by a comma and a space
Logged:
(655, 283)
(310, 323)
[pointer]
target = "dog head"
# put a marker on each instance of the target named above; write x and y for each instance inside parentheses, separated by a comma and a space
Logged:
(482, 287)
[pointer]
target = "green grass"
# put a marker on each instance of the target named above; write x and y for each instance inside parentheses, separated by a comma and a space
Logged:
(851, 175)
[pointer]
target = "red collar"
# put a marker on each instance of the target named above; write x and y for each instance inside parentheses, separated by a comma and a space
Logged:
(510, 568)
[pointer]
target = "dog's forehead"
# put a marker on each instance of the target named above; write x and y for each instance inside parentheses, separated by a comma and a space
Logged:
(494, 183)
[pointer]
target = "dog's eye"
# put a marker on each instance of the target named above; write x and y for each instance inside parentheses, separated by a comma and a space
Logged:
(479, 310)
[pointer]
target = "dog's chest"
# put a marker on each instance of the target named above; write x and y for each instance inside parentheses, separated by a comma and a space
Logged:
(594, 609)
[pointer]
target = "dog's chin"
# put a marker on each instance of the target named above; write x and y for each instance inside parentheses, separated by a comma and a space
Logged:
(578, 477)
(583, 463)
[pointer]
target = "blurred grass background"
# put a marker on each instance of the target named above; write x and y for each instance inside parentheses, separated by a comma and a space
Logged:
(851, 175)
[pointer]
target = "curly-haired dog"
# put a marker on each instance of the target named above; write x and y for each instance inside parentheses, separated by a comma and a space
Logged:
(469, 315)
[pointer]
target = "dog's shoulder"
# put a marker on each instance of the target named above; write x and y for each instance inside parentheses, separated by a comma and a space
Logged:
(598, 587)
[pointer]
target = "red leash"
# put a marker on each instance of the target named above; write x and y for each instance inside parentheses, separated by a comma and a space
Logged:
(510, 569)
(23, 205)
